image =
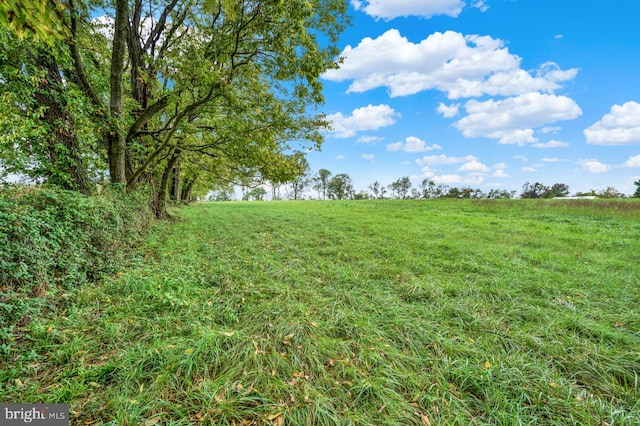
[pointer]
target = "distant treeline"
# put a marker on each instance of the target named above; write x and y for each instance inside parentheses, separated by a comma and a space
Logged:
(340, 187)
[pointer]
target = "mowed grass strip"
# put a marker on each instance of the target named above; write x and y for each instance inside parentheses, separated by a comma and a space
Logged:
(355, 313)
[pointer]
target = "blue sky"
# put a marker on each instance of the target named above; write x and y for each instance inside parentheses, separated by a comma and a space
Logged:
(487, 93)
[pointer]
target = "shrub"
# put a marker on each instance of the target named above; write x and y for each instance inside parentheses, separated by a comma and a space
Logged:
(52, 240)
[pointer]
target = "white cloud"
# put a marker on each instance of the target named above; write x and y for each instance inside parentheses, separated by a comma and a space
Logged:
(455, 179)
(412, 144)
(521, 157)
(474, 178)
(480, 4)
(448, 179)
(500, 173)
(427, 172)
(551, 144)
(461, 66)
(474, 166)
(371, 117)
(518, 137)
(553, 129)
(528, 169)
(621, 126)
(550, 160)
(369, 139)
(558, 36)
(369, 157)
(435, 160)
(390, 9)
(340, 157)
(633, 162)
(593, 166)
(512, 120)
(448, 111)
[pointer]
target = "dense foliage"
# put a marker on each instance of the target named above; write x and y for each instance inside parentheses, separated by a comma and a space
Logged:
(178, 95)
(53, 240)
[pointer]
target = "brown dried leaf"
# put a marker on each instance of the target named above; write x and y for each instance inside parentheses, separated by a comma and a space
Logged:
(272, 417)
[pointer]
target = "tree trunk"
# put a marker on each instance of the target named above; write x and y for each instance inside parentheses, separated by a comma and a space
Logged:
(161, 200)
(68, 168)
(116, 138)
(176, 193)
(187, 188)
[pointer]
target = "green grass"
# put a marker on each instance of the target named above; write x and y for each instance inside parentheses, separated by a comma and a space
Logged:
(354, 313)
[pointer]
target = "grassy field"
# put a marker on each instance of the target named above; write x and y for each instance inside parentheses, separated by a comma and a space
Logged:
(354, 313)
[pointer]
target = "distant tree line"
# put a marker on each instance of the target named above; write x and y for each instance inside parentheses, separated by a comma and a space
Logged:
(340, 187)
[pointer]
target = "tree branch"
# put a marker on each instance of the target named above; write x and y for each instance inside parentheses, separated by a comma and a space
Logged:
(85, 84)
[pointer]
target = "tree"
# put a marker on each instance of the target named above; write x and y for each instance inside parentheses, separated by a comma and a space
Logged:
(428, 189)
(361, 195)
(401, 187)
(187, 82)
(536, 190)
(501, 194)
(40, 19)
(610, 192)
(340, 187)
(636, 194)
(378, 190)
(301, 179)
(321, 182)
(39, 135)
(257, 193)
(557, 190)
(453, 192)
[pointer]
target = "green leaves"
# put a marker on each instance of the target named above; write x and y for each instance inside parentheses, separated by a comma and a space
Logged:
(33, 18)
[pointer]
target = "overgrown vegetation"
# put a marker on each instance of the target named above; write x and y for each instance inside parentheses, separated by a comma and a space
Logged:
(53, 241)
(355, 313)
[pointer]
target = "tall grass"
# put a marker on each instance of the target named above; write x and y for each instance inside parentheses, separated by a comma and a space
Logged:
(356, 313)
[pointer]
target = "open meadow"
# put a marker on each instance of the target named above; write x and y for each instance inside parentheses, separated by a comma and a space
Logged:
(383, 312)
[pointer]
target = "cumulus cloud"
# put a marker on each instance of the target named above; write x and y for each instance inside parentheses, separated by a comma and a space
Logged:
(500, 173)
(462, 66)
(593, 166)
(390, 9)
(455, 179)
(517, 137)
(512, 120)
(474, 166)
(621, 126)
(448, 111)
(412, 144)
(437, 160)
(371, 117)
(551, 144)
(474, 178)
(448, 179)
(369, 157)
(633, 162)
